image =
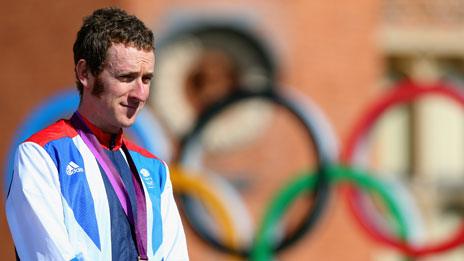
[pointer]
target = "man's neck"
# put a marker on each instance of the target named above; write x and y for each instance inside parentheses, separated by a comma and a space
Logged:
(108, 140)
(92, 116)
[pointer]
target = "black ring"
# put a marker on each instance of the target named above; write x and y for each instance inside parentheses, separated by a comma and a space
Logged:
(321, 194)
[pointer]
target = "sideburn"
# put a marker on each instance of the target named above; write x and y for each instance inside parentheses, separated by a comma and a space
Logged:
(98, 87)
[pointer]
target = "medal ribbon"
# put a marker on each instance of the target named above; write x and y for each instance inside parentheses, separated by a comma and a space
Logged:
(140, 223)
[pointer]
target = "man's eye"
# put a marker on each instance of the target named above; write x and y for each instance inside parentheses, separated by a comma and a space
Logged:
(146, 80)
(125, 78)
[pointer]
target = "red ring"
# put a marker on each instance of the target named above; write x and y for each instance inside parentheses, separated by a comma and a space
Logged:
(403, 92)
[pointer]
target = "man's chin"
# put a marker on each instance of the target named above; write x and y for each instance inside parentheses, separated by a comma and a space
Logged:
(127, 123)
(128, 119)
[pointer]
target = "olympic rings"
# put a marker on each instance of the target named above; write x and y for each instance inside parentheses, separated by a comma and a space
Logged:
(262, 249)
(189, 144)
(403, 93)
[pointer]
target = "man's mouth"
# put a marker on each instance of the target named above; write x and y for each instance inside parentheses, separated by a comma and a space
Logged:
(130, 106)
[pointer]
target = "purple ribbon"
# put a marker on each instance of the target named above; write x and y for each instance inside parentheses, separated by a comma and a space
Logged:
(140, 224)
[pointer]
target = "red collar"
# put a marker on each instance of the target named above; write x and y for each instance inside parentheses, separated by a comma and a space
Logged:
(107, 140)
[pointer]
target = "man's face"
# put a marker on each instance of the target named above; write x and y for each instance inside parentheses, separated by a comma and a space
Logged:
(122, 88)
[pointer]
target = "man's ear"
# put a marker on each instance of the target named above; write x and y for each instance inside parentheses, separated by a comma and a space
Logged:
(83, 72)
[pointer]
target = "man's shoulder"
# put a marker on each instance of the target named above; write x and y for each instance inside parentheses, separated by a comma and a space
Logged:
(58, 130)
(136, 148)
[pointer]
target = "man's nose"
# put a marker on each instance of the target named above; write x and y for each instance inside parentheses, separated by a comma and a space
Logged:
(140, 90)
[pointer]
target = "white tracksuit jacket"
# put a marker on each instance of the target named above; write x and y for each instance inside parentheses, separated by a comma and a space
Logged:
(57, 207)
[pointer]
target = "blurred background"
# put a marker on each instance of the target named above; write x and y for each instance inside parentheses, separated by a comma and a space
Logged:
(333, 60)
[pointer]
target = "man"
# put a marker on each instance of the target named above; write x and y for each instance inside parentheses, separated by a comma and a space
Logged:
(80, 189)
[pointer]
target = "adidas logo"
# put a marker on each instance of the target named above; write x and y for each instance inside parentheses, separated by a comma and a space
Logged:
(73, 168)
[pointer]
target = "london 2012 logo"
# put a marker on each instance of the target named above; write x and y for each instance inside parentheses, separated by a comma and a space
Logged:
(147, 178)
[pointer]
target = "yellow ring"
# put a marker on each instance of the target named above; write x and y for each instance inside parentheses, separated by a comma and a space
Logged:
(196, 185)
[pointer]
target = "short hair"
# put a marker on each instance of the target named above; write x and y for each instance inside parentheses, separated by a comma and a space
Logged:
(103, 28)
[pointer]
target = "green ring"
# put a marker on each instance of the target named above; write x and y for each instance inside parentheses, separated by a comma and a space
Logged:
(262, 247)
